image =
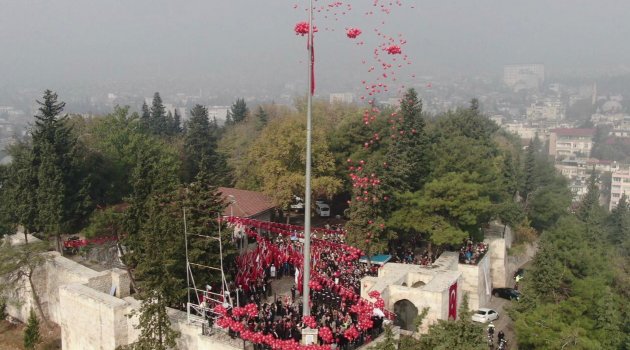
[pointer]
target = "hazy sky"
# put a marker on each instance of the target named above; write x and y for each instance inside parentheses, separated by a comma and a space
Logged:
(242, 42)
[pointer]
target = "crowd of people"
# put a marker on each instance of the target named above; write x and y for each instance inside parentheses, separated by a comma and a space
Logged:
(341, 316)
(471, 252)
(408, 256)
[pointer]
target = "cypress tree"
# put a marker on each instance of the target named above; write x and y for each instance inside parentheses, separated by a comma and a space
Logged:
(590, 202)
(160, 271)
(530, 171)
(31, 332)
(62, 187)
(177, 122)
(50, 195)
(159, 118)
(145, 117)
(620, 221)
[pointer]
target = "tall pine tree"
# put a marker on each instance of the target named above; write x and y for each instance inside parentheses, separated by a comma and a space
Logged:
(204, 205)
(159, 122)
(408, 154)
(200, 147)
(238, 111)
(61, 194)
(159, 271)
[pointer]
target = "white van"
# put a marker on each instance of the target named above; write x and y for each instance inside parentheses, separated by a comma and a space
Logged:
(322, 209)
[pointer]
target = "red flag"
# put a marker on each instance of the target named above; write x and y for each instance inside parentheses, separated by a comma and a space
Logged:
(311, 46)
(452, 302)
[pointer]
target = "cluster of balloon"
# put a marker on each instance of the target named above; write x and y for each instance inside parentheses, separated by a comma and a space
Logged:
(383, 62)
(310, 321)
(326, 334)
(351, 333)
(379, 302)
(353, 33)
(240, 327)
(302, 28)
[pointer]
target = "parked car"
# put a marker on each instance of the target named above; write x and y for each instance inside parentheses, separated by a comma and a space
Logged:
(485, 315)
(298, 204)
(507, 293)
(322, 209)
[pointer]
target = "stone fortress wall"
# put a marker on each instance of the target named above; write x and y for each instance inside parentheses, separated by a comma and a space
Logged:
(428, 286)
(92, 307)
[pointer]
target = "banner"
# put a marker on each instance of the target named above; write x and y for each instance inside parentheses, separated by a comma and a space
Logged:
(452, 302)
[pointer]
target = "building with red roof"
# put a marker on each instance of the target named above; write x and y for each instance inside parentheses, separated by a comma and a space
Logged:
(565, 142)
(247, 204)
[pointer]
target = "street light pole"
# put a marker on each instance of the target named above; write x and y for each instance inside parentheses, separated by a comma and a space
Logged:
(306, 309)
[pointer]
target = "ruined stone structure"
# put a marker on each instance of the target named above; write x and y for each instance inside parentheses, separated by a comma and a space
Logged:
(408, 289)
(92, 307)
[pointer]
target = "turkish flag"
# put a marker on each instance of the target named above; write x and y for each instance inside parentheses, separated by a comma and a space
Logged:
(311, 46)
(452, 302)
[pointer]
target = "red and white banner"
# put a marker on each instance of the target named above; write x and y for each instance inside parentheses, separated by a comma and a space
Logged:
(452, 302)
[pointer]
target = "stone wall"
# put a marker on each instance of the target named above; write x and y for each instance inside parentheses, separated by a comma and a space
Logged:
(78, 299)
(477, 282)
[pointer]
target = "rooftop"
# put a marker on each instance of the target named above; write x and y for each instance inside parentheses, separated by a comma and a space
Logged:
(574, 132)
(246, 203)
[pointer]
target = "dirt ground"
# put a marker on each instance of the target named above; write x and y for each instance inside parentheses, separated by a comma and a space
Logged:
(11, 337)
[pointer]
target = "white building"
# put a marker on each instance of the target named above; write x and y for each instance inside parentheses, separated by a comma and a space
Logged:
(219, 113)
(566, 142)
(524, 76)
(547, 109)
(344, 97)
(620, 184)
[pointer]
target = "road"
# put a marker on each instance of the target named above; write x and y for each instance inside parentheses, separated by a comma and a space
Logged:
(504, 323)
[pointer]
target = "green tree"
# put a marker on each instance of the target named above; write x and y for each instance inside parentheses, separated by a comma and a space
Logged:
(159, 123)
(200, 149)
(408, 154)
(204, 205)
(548, 283)
(261, 117)
(155, 172)
(62, 186)
(19, 189)
(159, 271)
(619, 221)
(145, 117)
(19, 263)
(460, 334)
(238, 112)
(446, 211)
(277, 160)
(389, 343)
(548, 204)
(177, 123)
(531, 168)
(590, 203)
(31, 332)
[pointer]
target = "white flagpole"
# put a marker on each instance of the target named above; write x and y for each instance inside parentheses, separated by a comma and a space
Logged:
(306, 309)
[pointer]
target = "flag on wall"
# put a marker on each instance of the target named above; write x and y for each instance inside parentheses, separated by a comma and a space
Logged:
(452, 302)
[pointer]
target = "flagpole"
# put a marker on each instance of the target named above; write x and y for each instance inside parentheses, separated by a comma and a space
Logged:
(306, 309)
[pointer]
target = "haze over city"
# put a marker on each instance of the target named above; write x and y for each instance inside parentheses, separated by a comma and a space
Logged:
(396, 174)
(250, 44)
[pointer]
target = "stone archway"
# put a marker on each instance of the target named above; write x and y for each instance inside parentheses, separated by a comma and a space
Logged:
(406, 313)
